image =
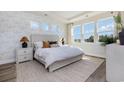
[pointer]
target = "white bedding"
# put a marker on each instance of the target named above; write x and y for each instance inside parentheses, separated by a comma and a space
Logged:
(51, 55)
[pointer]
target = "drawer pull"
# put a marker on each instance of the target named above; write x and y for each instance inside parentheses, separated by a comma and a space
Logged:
(24, 51)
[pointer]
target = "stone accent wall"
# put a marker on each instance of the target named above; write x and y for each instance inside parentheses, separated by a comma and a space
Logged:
(14, 25)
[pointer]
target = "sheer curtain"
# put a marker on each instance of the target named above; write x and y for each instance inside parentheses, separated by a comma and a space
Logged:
(69, 33)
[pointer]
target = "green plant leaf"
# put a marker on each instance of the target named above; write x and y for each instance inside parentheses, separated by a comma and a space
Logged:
(107, 39)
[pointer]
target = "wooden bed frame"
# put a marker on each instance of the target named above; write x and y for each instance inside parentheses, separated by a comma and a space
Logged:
(57, 64)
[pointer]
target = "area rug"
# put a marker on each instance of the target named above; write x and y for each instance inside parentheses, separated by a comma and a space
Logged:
(33, 71)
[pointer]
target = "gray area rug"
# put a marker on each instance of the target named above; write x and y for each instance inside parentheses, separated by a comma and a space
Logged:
(33, 71)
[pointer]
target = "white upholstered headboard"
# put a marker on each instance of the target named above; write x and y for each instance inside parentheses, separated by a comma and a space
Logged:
(44, 37)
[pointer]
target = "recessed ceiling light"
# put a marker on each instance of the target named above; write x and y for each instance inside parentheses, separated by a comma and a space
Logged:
(86, 15)
(111, 12)
(45, 14)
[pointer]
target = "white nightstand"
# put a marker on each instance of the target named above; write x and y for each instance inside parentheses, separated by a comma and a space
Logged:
(24, 54)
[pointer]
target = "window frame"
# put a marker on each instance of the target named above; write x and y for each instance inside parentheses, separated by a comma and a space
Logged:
(90, 22)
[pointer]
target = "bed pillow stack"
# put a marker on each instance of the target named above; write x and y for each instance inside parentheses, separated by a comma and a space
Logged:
(46, 44)
(54, 44)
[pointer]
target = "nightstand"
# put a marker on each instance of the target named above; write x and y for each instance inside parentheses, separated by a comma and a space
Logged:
(24, 54)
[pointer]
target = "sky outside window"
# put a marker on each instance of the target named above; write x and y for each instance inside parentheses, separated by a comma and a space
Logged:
(77, 32)
(106, 27)
(34, 25)
(54, 28)
(89, 29)
(44, 26)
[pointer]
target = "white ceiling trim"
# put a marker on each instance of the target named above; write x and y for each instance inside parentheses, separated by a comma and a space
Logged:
(78, 15)
(85, 16)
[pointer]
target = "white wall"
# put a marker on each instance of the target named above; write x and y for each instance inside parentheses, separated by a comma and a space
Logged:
(21, 21)
(14, 25)
(94, 49)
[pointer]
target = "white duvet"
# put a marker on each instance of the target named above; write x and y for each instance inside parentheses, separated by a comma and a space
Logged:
(51, 55)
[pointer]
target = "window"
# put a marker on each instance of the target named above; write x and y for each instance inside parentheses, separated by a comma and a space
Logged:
(88, 32)
(34, 25)
(105, 27)
(76, 33)
(54, 28)
(44, 26)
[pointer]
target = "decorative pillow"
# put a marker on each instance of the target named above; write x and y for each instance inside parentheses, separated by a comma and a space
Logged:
(38, 44)
(54, 45)
(46, 44)
(53, 42)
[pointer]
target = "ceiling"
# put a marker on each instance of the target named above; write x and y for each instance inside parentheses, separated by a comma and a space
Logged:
(69, 16)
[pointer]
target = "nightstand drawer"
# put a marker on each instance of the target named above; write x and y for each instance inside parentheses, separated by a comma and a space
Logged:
(24, 58)
(24, 54)
(24, 51)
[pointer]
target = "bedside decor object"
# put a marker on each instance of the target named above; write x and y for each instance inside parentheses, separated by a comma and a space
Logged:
(63, 41)
(119, 28)
(24, 41)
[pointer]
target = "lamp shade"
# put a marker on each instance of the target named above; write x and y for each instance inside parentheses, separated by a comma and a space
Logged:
(24, 39)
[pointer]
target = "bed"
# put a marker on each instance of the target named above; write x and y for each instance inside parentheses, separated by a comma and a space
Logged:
(56, 57)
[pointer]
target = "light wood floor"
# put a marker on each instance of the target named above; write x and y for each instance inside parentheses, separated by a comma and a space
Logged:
(98, 76)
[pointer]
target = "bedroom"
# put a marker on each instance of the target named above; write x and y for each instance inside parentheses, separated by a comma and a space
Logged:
(75, 55)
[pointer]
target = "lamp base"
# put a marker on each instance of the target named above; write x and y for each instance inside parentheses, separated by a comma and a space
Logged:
(24, 45)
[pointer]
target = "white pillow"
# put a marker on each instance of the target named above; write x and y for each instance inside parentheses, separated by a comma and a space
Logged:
(38, 44)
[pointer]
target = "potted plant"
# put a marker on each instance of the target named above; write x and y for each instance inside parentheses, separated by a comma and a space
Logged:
(105, 40)
(119, 28)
